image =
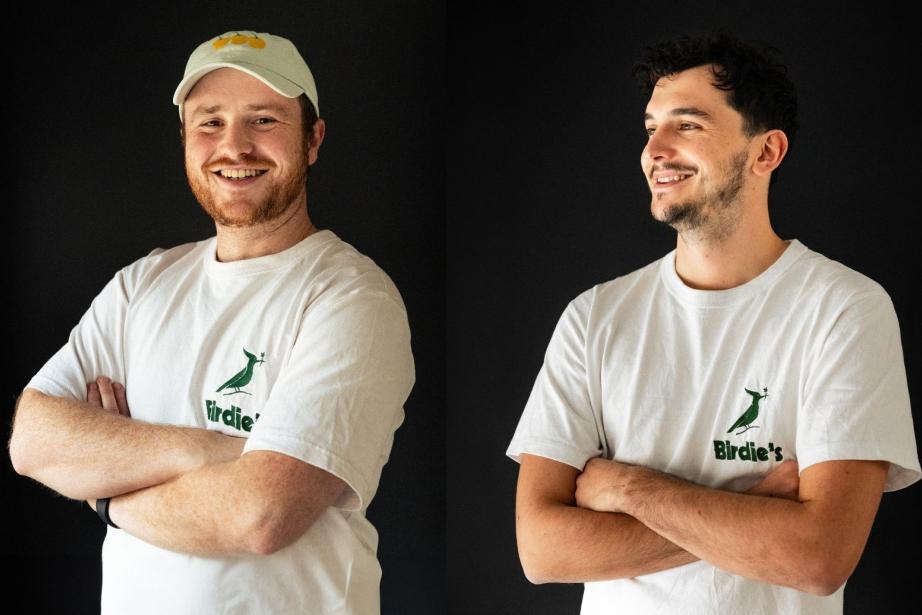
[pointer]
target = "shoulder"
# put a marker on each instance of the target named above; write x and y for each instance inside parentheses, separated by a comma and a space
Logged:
(603, 302)
(628, 288)
(144, 270)
(831, 288)
(841, 306)
(338, 272)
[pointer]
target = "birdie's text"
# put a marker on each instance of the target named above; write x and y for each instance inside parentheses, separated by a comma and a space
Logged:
(231, 417)
(747, 452)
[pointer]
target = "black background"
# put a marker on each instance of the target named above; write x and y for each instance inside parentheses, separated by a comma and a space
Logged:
(546, 198)
(489, 160)
(98, 182)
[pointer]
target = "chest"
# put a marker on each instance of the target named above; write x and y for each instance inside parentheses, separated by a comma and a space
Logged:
(207, 356)
(713, 401)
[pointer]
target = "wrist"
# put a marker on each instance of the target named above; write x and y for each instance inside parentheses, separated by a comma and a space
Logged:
(104, 512)
(640, 484)
(220, 448)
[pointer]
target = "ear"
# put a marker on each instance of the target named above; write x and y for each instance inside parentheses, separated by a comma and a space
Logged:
(317, 135)
(774, 149)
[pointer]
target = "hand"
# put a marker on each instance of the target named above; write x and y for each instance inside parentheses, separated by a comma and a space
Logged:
(782, 482)
(603, 484)
(108, 395)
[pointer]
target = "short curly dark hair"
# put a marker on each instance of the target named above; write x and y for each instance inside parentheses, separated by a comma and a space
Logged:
(758, 86)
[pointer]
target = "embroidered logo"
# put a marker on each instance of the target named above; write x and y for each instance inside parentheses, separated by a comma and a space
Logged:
(233, 416)
(239, 39)
(243, 377)
(744, 423)
(747, 451)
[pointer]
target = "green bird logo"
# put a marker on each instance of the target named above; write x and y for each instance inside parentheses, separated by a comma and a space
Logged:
(243, 377)
(744, 423)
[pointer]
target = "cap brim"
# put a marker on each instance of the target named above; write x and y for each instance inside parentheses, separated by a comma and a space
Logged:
(275, 81)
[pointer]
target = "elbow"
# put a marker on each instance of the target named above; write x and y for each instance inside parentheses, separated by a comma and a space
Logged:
(825, 575)
(259, 536)
(261, 543)
(543, 553)
(270, 535)
(823, 586)
(18, 445)
(535, 573)
(826, 582)
(539, 566)
(18, 456)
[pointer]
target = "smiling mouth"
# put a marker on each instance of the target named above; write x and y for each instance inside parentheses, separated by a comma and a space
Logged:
(238, 181)
(667, 185)
(242, 177)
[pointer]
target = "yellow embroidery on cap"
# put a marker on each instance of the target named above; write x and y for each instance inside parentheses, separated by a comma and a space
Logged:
(239, 39)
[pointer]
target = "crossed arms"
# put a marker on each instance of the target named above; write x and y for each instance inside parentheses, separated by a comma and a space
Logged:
(616, 520)
(180, 488)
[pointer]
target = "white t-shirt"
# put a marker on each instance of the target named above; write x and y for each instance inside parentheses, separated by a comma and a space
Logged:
(717, 387)
(305, 352)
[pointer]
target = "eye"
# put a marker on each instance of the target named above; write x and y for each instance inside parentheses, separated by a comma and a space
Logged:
(649, 131)
(268, 119)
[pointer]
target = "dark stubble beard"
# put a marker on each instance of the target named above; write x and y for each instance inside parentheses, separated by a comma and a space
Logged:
(711, 216)
(279, 200)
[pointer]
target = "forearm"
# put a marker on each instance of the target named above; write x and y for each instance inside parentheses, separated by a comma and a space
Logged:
(84, 452)
(768, 539)
(206, 512)
(568, 544)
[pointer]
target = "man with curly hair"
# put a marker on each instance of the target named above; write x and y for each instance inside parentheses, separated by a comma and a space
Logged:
(713, 432)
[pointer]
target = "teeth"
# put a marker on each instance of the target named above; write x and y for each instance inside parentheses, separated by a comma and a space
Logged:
(240, 173)
(667, 180)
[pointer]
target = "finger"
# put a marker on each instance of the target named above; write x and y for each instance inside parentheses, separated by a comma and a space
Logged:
(92, 394)
(108, 397)
(121, 396)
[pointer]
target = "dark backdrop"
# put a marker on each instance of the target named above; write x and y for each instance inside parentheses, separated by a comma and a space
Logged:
(97, 181)
(546, 198)
(536, 164)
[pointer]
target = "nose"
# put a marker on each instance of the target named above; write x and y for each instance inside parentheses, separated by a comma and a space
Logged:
(659, 146)
(236, 140)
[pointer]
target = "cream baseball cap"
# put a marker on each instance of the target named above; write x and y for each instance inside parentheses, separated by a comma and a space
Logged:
(272, 59)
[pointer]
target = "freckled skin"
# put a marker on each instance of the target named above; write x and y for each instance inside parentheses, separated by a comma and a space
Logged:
(281, 149)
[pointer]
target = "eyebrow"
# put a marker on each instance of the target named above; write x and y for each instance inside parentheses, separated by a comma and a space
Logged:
(683, 111)
(255, 107)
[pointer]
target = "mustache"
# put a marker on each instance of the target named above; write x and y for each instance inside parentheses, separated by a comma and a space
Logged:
(249, 162)
(672, 167)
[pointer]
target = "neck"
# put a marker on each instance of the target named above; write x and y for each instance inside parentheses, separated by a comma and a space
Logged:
(730, 261)
(261, 240)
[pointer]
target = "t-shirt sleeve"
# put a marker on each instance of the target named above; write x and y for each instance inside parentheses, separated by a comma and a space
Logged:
(856, 398)
(559, 421)
(340, 396)
(94, 347)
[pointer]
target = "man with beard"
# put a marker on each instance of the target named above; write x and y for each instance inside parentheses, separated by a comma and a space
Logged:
(227, 405)
(713, 432)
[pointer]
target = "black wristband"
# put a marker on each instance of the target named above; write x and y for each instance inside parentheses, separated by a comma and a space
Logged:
(102, 509)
